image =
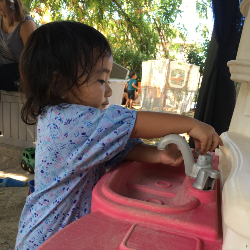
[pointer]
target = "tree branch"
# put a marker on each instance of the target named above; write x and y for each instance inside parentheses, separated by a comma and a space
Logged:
(160, 35)
(129, 21)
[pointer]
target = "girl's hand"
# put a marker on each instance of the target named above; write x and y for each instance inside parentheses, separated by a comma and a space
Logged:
(150, 154)
(205, 137)
(172, 156)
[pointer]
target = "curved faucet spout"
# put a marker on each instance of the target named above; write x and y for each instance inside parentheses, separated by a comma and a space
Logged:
(184, 148)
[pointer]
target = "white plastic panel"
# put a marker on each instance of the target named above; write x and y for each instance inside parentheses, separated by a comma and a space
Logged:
(235, 180)
(117, 86)
(234, 163)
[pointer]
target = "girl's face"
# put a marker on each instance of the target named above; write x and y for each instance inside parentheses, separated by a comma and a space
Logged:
(96, 90)
(3, 8)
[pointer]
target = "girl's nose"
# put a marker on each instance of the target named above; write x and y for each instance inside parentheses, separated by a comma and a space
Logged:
(108, 90)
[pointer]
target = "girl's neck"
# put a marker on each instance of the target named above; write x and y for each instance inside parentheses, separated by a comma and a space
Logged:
(6, 25)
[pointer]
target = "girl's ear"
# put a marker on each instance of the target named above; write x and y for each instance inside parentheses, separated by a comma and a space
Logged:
(58, 85)
(64, 96)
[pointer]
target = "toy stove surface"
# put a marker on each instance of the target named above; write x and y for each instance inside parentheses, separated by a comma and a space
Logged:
(146, 206)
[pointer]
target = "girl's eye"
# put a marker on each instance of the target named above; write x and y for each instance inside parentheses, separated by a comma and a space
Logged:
(102, 81)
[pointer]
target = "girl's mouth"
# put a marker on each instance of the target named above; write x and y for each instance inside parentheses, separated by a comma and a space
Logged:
(104, 105)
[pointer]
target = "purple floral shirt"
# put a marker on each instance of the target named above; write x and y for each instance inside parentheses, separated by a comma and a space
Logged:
(75, 146)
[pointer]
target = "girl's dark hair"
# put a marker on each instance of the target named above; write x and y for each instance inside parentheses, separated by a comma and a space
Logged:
(15, 11)
(131, 74)
(50, 64)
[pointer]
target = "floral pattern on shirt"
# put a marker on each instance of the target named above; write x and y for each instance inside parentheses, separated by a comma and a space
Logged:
(75, 146)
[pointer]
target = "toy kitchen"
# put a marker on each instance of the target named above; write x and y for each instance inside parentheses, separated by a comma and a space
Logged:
(203, 205)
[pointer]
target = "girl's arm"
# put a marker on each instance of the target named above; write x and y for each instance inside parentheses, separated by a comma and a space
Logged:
(133, 85)
(27, 28)
(155, 125)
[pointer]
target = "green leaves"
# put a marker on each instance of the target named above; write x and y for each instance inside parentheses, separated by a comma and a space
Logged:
(138, 23)
(202, 7)
(197, 54)
(137, 30)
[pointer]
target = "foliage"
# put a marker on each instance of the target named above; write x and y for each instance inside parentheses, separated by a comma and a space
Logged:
(202, 6)
(137, 30)
(197, 54)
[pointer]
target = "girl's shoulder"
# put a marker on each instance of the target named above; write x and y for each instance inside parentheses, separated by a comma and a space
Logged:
(67, 115)
(28, 23)
(75, 110)
(131, 80)
(65, 108)
(28, 18)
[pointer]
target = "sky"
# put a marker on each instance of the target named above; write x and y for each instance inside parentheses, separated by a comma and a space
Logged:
(191, 19)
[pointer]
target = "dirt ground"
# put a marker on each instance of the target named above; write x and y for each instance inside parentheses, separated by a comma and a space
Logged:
(12, 199)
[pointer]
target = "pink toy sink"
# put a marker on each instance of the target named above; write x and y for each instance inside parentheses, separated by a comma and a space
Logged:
(146, 206)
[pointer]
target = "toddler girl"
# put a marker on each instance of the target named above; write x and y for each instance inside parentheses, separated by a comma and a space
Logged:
(65, 69)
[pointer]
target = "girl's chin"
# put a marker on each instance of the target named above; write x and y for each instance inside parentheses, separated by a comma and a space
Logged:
(103, 106)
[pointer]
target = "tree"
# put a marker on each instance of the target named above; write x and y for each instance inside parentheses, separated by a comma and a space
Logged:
(197, 53)
(139, 23)
(202, 7)
(137, 30)
(129, 25)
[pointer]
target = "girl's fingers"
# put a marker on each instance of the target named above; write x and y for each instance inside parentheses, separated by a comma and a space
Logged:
(205, 138)
(172, 156)
(178, 161)
(209, 144)
(203, 149)
(197, 144)
(217, 141)
(203, 146)
(220, 142)
(214, 145)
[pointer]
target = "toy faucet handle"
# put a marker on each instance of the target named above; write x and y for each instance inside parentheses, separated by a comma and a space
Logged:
(208, 158)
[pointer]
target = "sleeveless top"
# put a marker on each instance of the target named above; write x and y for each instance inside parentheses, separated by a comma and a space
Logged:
(11, 45)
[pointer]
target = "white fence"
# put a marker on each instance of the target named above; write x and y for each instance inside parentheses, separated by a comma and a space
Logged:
(13, 130)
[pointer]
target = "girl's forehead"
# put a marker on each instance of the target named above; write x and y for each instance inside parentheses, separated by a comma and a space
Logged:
(104, 64)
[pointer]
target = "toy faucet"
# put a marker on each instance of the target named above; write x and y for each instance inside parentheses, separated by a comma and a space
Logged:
(202, 170)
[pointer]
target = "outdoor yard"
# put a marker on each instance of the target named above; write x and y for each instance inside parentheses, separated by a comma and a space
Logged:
(12, 199)
(167, 43)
